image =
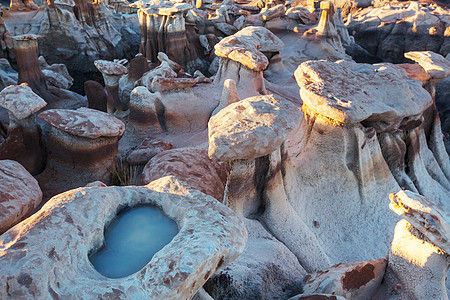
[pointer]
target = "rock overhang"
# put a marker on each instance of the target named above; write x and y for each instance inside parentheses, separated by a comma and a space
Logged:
(84, 122)
(251, 128)
(349, 93)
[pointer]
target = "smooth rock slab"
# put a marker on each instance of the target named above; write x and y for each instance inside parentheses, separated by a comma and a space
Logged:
(46, 255)
(19, 193)
(251, 128)
(349, 92)
(84, 122)
(435, 64)
(21, 101)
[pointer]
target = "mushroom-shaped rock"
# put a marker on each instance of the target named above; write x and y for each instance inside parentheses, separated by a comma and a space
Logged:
(344, 92)
(250, 128)
(24, 142)
(418, 260)
(82, 147)
(358, 280)
(144, 109)
(190, 165)
(84, 122)
(434, 64)
(247, 47)
(112, 71)
(20, 194)
(20, 101)
(210, 233)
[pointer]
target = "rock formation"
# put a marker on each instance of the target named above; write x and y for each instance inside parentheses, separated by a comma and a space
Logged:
(392, 29)
(19, 194)
(82, 148)
(78, 218)
(163, 29)
(190, 165)
(24, 142)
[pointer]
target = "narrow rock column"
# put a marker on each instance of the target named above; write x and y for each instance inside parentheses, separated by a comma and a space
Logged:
(112, 72)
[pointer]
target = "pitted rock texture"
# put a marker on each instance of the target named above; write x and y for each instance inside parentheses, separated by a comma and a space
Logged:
(84, 122)
(247, 47)
(344, 91)
(70, 225)
(359, 280)
(20, 194)
(191, 165)
(434, 64)
(21, 101)
(251, 128)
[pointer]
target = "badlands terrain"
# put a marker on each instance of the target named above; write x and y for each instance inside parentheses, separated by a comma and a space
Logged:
(235, 149)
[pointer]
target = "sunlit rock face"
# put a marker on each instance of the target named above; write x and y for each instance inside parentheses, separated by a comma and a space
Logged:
(210, 237)
(367, 126)
(418, 259)
(20, 194)
(390, 30)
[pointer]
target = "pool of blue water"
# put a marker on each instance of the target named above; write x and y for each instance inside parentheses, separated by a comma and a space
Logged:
(132, 239)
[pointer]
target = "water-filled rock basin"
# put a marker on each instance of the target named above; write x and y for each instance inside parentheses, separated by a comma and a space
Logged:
(131, 240)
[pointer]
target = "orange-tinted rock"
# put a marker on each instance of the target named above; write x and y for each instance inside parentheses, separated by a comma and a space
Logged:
(416, 72)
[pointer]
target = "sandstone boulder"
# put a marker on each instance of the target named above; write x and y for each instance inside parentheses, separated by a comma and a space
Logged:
(343, 91)
(190, 165)
(20, 194)
(250, 128)
(147, 150)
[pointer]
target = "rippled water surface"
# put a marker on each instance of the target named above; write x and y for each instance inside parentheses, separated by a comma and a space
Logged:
(132, 239)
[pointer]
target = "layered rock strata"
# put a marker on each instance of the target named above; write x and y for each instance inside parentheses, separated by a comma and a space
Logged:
(210, 232)
(82, 148)
(365, 124)
(163, 29)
